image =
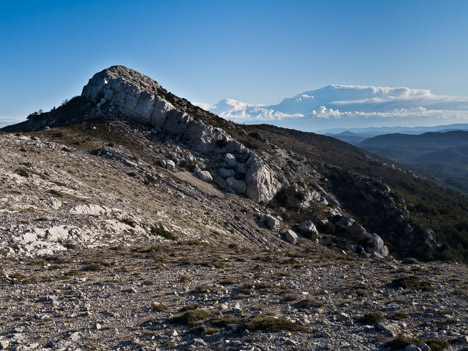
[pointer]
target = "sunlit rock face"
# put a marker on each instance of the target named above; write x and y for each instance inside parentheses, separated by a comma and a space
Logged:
(132, 94)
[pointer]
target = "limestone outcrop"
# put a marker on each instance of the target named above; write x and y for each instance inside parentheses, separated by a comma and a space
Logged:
(121, 90)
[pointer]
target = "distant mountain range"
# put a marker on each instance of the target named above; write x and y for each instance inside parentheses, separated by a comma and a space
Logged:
(444, 153)
(374, 131)
(347, 106)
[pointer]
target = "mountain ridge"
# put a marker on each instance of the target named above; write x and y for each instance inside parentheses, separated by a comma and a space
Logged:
(443, 153)
(336, 190)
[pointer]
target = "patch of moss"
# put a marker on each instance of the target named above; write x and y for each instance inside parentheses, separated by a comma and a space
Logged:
(269, 324)
(412, 283)
(93, 267)
(194, 306)
(399, 315)
(371, 318)
(202, 289)
(203, 329)
(227, 321)
(229, 281)
(436, 344)
(401, 342)
(192, 317)
(159, 307)
(308, 304)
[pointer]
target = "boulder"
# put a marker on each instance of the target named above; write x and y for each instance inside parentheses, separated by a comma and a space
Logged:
(308, 229)
(376, 246)
(226, 173)
(271, 222)
(290, 237)
(238, 186)
(357, 233)
(389, 329)
(261, 182)
(424, 347)
(203, 175)
(241, 167)
(412, 347)
(230, 160)
(170, 165)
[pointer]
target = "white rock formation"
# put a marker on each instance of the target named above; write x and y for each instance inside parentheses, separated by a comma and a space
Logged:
(137, 96)
(262, 185)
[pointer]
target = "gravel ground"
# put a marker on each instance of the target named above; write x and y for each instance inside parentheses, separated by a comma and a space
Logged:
(199, 297)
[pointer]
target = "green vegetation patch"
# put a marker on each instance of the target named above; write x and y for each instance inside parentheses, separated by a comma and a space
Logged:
(203, 330)
(308, 304)
(227, 321)
(411, 283)
(371, 318)
(159, 307)
(401, 342)
(269, 324)
(192, 317)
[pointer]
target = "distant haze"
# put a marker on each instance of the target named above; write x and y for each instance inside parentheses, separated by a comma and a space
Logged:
(348, 106)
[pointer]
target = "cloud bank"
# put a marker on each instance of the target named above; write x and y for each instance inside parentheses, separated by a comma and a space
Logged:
(7, 120)
(351, 106)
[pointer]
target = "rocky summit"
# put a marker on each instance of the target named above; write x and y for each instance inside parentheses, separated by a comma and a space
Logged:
(132, 219)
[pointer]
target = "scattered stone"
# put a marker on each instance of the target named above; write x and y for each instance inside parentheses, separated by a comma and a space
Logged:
(343, 317)
(203, 175)
(424, 347)
(271, 222)
(389, 329)
(170, 165)
(430, 335)
(290, 237)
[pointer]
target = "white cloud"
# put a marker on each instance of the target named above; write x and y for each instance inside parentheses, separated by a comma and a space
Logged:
(7, 120)
(203, 105)
(353, 104)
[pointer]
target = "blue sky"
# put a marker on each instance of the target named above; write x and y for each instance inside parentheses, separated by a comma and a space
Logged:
(254, 51)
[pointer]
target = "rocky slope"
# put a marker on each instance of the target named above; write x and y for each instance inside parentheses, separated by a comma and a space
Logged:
(129, 188)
